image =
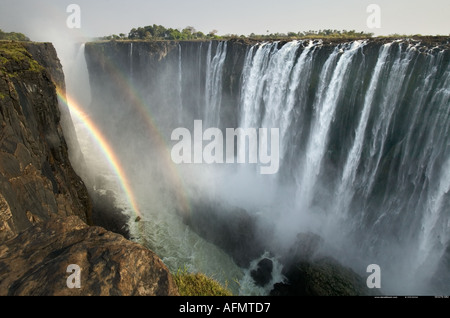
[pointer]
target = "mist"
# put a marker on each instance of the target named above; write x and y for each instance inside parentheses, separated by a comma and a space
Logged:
(369, 179)
(222, 219)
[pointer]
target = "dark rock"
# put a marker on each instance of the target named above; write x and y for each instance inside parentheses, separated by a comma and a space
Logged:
(37, 180)
(36, 262)
(45, 54)
(106, 214)
(263, 274)
(310, 274)
(306, 246)
(45, 206)
(233, 229)
(321, 277)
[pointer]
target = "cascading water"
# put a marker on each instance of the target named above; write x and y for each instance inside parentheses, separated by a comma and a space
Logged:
(364, 149)
(345, 190)
(332, 85)
(214, 76)
(131, 61)
(180, 83)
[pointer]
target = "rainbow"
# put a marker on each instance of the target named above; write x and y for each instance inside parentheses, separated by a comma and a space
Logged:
(139, 105)
(104, 145)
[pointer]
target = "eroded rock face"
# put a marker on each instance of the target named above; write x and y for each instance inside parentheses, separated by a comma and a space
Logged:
(37, 180)
(36, 261)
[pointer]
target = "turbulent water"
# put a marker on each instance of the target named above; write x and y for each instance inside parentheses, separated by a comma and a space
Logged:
(364, 148)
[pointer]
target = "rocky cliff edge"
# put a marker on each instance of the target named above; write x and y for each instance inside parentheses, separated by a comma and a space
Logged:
(45, 207)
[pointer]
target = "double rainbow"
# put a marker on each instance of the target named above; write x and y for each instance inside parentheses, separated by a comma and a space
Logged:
(144, 112)
(103, 144)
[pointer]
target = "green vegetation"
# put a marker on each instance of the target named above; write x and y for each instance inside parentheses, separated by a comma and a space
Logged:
(14, 51)
(13, 36)
(322, 34)
(199, 285)
(159, 32)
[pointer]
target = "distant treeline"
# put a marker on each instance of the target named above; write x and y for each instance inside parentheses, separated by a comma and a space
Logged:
(159, 32)
(13, 36)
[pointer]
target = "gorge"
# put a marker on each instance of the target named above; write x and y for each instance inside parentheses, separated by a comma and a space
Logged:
(363, 176)
(363, 152)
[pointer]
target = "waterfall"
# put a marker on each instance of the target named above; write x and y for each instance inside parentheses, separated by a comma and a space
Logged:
(364, 144)
(327, 99)
(346, 188)
(131, 61)
(214, 77)
(253, 84)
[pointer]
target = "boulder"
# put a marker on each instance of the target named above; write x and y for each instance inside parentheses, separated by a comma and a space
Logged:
(36, 263)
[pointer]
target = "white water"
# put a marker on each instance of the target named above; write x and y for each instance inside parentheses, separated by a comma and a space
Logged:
(405, 228)
(325, 107)
(214, 77)
(347, 187)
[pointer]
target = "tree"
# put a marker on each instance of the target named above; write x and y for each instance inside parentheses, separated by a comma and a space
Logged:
(199, 35)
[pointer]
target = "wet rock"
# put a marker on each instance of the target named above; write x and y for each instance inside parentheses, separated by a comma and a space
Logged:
(107, 214)
(306, 246)
(308, 273)
(263, 274)
(234, 230)
(321, 277)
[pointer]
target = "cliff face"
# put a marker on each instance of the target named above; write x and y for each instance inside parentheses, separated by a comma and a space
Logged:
(45, 207)
(37, 180)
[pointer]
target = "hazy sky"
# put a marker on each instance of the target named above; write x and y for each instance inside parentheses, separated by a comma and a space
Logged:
(42, 19)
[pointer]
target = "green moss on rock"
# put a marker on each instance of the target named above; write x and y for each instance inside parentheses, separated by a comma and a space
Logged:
(14, 59)
(199, 285)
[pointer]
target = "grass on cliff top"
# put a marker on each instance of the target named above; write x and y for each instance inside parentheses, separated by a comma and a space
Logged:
(14, 51)
(198, 285)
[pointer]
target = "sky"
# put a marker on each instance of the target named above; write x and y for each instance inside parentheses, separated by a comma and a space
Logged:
(42, 20)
